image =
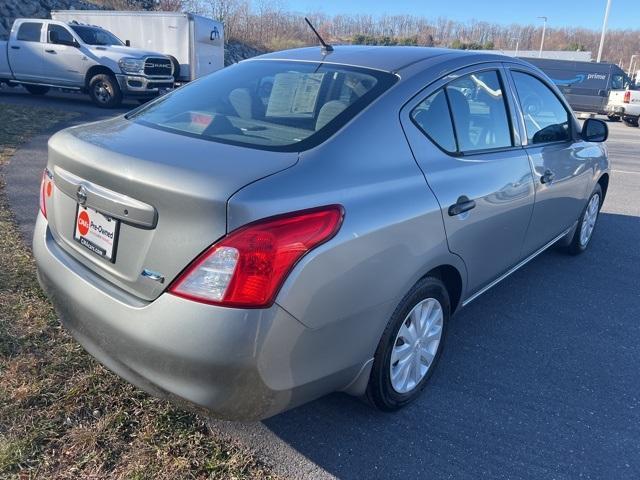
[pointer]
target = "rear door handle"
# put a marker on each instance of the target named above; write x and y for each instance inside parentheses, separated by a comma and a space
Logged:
(462, 205)
(50, 51)
(547, 177)
(15, 47)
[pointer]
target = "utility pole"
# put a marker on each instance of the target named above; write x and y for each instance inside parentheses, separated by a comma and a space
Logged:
(604, 29)
(517, 39)
(544, 30)
(632, 63)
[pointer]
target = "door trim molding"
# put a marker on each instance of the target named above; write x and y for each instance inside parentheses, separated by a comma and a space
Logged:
(513, 269)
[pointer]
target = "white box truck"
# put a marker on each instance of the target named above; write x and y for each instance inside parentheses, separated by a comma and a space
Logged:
(194, 43)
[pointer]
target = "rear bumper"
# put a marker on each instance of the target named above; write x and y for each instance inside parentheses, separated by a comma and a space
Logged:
(235, 364)
(133, 85)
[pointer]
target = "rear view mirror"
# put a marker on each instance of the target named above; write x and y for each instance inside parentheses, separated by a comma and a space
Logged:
(595, 130)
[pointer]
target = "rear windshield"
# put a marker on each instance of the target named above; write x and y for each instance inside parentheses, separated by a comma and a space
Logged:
(271, 105)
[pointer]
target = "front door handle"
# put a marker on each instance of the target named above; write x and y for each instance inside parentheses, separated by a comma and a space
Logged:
(15, 47)
(462, 205)
(50, 51)
(547, 177)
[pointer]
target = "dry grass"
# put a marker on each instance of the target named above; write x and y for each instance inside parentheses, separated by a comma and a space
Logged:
(62, 415)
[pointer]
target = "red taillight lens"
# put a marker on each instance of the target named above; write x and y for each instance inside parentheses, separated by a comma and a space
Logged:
(46, 188)
(627, 97)
(247, 267)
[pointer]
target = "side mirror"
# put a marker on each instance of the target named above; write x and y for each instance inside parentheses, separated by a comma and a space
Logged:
(127, 43)
(594, 130)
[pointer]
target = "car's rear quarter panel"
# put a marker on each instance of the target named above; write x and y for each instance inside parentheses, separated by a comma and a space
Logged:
(346, 290)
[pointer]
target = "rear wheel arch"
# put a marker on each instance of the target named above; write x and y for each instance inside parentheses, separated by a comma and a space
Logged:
(452, 280)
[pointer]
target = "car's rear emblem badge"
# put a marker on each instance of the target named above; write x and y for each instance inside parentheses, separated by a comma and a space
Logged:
(81, 195)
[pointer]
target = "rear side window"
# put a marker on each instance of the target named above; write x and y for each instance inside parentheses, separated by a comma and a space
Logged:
(479, 112)
(272, 105)
(29, 32)
(477, 105)
(546, 119)
(433, 118)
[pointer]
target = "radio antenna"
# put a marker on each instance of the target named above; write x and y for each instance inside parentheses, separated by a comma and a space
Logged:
(325, 46)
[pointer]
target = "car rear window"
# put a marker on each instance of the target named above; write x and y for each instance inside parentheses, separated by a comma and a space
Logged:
(271, 105)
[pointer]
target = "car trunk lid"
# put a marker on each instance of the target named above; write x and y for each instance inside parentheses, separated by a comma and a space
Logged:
(167, 193)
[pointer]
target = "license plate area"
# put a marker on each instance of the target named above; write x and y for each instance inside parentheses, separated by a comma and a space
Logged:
(96, 232)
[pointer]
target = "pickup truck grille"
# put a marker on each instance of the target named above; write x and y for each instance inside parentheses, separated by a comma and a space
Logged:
(158, 67)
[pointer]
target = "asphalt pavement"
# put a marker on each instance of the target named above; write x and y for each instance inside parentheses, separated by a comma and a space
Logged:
(540, 377)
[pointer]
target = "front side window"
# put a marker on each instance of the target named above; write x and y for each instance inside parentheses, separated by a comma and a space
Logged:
(96, 36)
(479, 112)
(59, 35)
(272, 105)
(546, 119)
(30, 32)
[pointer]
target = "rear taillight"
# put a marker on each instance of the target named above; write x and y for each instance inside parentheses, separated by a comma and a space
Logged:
(247, 267)
(46, 188)
(627, 97)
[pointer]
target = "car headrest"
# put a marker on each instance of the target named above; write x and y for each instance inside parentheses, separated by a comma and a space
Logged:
(242, 103)
(328, 112)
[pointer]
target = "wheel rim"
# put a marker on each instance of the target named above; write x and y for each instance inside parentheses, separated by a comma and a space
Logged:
(102, 92)
(416, 345)
(589, 220)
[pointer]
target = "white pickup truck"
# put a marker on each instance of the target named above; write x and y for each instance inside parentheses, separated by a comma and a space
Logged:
(41, 54)
(625, 105)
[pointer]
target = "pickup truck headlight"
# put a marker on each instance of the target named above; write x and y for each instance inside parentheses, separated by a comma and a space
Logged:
(132, 65)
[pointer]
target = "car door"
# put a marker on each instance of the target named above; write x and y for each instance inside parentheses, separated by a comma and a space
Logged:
(465, 138)
(63, 59)
(25, 51)
(560, 161)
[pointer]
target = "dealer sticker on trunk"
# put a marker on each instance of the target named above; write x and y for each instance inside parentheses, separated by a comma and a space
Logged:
(96, 232)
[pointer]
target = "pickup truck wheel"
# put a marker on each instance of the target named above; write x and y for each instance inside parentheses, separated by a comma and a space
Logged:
(586, 223)
(613, 118)
(105, 91)
(36, 89)
(630, 121)
(410, 346)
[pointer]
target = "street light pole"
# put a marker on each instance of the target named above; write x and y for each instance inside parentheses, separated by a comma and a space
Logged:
(604, 30)
(544, 30)
(517, 39)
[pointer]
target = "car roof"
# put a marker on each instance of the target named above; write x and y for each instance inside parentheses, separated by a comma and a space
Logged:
(385, 58)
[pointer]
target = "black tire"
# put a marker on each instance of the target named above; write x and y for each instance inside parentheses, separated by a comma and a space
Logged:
(176, 67)
(105, 91)
(380, 392)
(577, 246)
(613, 118)
(630, 121)
(36, 89)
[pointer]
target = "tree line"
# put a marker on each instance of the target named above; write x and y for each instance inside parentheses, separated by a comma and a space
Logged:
(272, 25)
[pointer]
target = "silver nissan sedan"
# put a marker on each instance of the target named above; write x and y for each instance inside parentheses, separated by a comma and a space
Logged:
(308, 222)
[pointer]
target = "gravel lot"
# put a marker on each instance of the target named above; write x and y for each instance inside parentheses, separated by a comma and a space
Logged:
(540, 377)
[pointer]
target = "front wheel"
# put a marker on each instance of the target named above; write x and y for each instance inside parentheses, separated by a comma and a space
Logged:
(586, 223)
(36, 89)
(410, 346)
(105, 91)
(630, 121)
(613, 118)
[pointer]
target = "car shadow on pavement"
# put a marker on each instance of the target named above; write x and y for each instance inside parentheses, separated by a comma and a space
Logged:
(540, 378)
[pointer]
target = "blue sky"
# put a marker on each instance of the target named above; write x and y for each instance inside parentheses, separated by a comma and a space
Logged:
(580, 13)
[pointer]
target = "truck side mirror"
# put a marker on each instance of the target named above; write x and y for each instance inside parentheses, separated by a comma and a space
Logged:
(127, 43)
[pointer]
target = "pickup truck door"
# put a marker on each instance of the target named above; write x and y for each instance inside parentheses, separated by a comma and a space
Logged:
(25, 51)
(562, 163)
(64, 61)
(464, 135)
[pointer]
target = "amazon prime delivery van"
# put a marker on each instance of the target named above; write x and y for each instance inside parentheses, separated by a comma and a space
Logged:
(194, 43)
(586, 85)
